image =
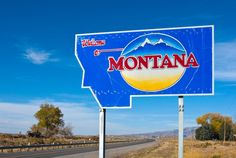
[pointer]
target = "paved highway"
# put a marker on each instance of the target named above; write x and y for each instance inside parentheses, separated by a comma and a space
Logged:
(66, 152)
(112, 153)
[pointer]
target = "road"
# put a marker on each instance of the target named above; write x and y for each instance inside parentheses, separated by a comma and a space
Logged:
(81, 152)
(112, 152)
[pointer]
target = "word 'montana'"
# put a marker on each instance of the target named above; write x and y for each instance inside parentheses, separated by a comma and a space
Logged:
(158, 62)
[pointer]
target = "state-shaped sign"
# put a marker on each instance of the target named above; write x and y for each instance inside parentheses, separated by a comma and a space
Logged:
(158, 62)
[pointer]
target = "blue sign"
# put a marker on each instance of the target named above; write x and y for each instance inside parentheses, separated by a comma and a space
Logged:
(159, 62)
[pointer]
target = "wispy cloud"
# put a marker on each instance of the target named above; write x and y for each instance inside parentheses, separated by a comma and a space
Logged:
(39, 56)
(225, 57)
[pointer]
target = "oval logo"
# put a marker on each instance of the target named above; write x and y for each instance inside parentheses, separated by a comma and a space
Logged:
(151, 78)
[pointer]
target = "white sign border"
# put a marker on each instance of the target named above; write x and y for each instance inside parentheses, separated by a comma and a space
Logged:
(146, 95)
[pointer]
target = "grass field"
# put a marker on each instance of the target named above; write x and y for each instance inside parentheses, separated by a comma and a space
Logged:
(168, 148)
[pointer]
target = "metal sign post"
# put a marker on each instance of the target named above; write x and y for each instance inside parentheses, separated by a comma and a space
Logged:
(181, 129)
(102, 132)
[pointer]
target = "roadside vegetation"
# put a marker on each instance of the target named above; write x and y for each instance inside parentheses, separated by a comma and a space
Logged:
(215, 138)
(23, 140)
(50, 129)
(168, 148)
(50, 123)
(214, 126)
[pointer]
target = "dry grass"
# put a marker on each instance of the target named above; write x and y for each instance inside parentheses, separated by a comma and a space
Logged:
(23, 140)
(20, 139)
(210, 149)
(168, 148)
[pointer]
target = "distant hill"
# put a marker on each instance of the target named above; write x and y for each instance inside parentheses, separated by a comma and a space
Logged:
(188, 132)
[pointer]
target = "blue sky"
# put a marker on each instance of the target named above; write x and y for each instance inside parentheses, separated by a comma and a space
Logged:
(38, 65)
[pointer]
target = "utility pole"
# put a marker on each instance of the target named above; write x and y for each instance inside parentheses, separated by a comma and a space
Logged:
(224, 130)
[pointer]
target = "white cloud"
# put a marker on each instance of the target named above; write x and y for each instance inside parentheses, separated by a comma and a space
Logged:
(225, 61)
(38, 57)
(228, 75)
(16, 117)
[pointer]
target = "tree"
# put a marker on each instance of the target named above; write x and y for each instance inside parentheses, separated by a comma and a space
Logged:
(227, 129)
(204, 133)
(219, 127)
(49, 120)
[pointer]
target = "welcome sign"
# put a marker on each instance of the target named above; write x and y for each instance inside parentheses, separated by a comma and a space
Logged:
(159, 62)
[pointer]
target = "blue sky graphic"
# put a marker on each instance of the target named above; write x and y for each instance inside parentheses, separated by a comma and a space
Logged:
(158, 48)
(38, 65)
(165, 42)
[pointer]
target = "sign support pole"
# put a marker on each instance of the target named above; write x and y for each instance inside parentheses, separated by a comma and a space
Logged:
(181, 130)
(102, 132)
